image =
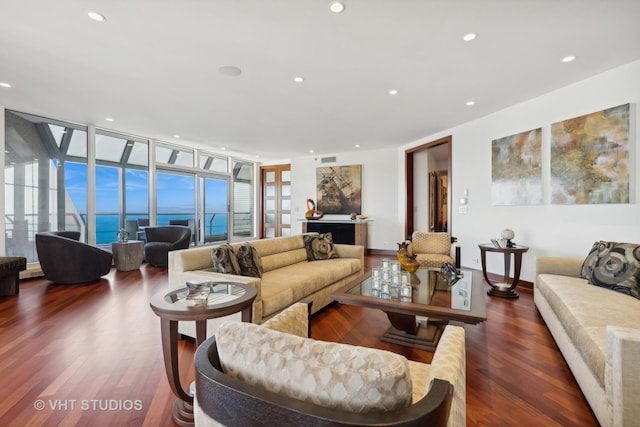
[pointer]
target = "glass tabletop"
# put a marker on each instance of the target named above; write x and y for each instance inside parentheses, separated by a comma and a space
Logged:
(205, 293)
(425, 286)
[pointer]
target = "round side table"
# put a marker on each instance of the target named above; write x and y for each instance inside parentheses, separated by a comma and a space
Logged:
(172, 306)
(504, 289)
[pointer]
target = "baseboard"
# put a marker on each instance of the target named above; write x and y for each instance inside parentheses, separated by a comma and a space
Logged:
(33, 270)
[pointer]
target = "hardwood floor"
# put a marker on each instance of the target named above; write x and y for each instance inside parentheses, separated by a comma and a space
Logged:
(91, 355)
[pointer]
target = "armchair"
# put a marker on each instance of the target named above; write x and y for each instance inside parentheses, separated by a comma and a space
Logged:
(161, 240)
(272, 374)
(434, 249)
(64, 259)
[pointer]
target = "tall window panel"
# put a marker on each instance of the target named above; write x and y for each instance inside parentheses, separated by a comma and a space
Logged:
(243, 199)
(45, 180)
(122, 186)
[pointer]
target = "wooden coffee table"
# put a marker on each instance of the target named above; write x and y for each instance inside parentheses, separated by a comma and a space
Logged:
(434, 297)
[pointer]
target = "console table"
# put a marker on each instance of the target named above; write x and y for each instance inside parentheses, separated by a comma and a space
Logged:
(343, 231)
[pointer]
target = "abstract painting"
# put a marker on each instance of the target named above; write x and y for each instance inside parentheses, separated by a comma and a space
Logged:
(516, 169)
(590, 158)
(338, 189)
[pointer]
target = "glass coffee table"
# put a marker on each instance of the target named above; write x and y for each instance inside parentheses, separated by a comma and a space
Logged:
(433, 295)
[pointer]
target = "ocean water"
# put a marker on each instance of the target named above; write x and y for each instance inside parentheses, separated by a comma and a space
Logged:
(107, 225)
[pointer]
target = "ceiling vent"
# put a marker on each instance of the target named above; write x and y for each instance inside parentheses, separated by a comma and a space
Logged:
(328, 159)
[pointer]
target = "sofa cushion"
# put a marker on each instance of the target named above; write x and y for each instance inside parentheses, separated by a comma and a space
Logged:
(319, 247)
(286, 285)
(249, 261)
(355, 379)
(225, 260)
(614, 266)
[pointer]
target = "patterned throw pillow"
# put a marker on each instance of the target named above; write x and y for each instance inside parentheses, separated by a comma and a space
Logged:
(615, 266)
(225, 260)
(249, 261)
(319, 246)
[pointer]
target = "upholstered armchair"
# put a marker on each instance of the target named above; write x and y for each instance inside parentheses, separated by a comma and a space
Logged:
(272, 374)
(161, 240)
(434, 249)
(64, 259)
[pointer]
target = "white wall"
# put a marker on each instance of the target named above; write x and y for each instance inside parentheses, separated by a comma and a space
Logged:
(556, 230)
(379, 192)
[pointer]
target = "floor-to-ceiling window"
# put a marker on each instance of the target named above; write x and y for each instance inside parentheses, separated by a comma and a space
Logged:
(45, 175)
(122, 185)
(243, 199)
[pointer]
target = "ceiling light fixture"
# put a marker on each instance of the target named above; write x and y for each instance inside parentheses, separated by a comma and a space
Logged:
(298, 79)
(469, 36)
(109, 119)
(336, 7)
(230, 70)
(393, 92)
(311, 151)
(357, 145)
(223, 148)
(5, 84)
(176, 136)
(568, 58)
(470, 103)
(96, 16)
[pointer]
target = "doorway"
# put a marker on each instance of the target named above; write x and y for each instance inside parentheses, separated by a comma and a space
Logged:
(428, 207)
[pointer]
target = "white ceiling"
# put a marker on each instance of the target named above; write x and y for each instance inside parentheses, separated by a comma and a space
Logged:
(153, 65)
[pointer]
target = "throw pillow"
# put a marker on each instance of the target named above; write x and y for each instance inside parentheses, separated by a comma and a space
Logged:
(615, 266)
(249, 261)
(225, 260)
(319, 246)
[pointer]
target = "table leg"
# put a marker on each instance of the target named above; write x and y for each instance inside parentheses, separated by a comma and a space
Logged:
(183, 406)
(405, 331)
(507, 290)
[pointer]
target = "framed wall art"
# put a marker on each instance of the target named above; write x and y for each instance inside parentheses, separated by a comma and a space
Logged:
(516, 169)
(590, 158)
(339, 189)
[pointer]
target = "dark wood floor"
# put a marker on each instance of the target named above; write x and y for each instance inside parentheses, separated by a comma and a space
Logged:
(91, 355)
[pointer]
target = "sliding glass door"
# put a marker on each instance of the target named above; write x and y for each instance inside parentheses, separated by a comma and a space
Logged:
(214, 209)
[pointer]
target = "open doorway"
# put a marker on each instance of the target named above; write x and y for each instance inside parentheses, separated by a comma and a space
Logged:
(428, 183)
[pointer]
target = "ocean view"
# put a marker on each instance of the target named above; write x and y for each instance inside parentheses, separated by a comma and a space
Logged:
(107, 225)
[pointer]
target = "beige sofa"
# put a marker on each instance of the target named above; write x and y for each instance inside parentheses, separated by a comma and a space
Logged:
(598, 333)
(287, 278)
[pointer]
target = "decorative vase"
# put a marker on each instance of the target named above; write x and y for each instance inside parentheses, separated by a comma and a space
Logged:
(123, 235)
(410, 263)
(508, 235)
(403, 251)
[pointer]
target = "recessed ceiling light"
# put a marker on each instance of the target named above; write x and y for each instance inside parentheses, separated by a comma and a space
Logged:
(336, 7)
(230, 70)
(311, 151)
(5, 84)
(393, 92)
(109, 119)
(176, 136)
(568, 58)
(223, 148)
(298, 79)
(470, 103)
(96, 16)
(469, 36)
(357, 145)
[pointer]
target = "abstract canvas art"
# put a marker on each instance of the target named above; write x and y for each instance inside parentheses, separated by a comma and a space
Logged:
(338, 189)
(590, 158)
(516, 169)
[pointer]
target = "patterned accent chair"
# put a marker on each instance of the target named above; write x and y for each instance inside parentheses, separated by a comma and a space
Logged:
(273, 374)
(434, 249)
